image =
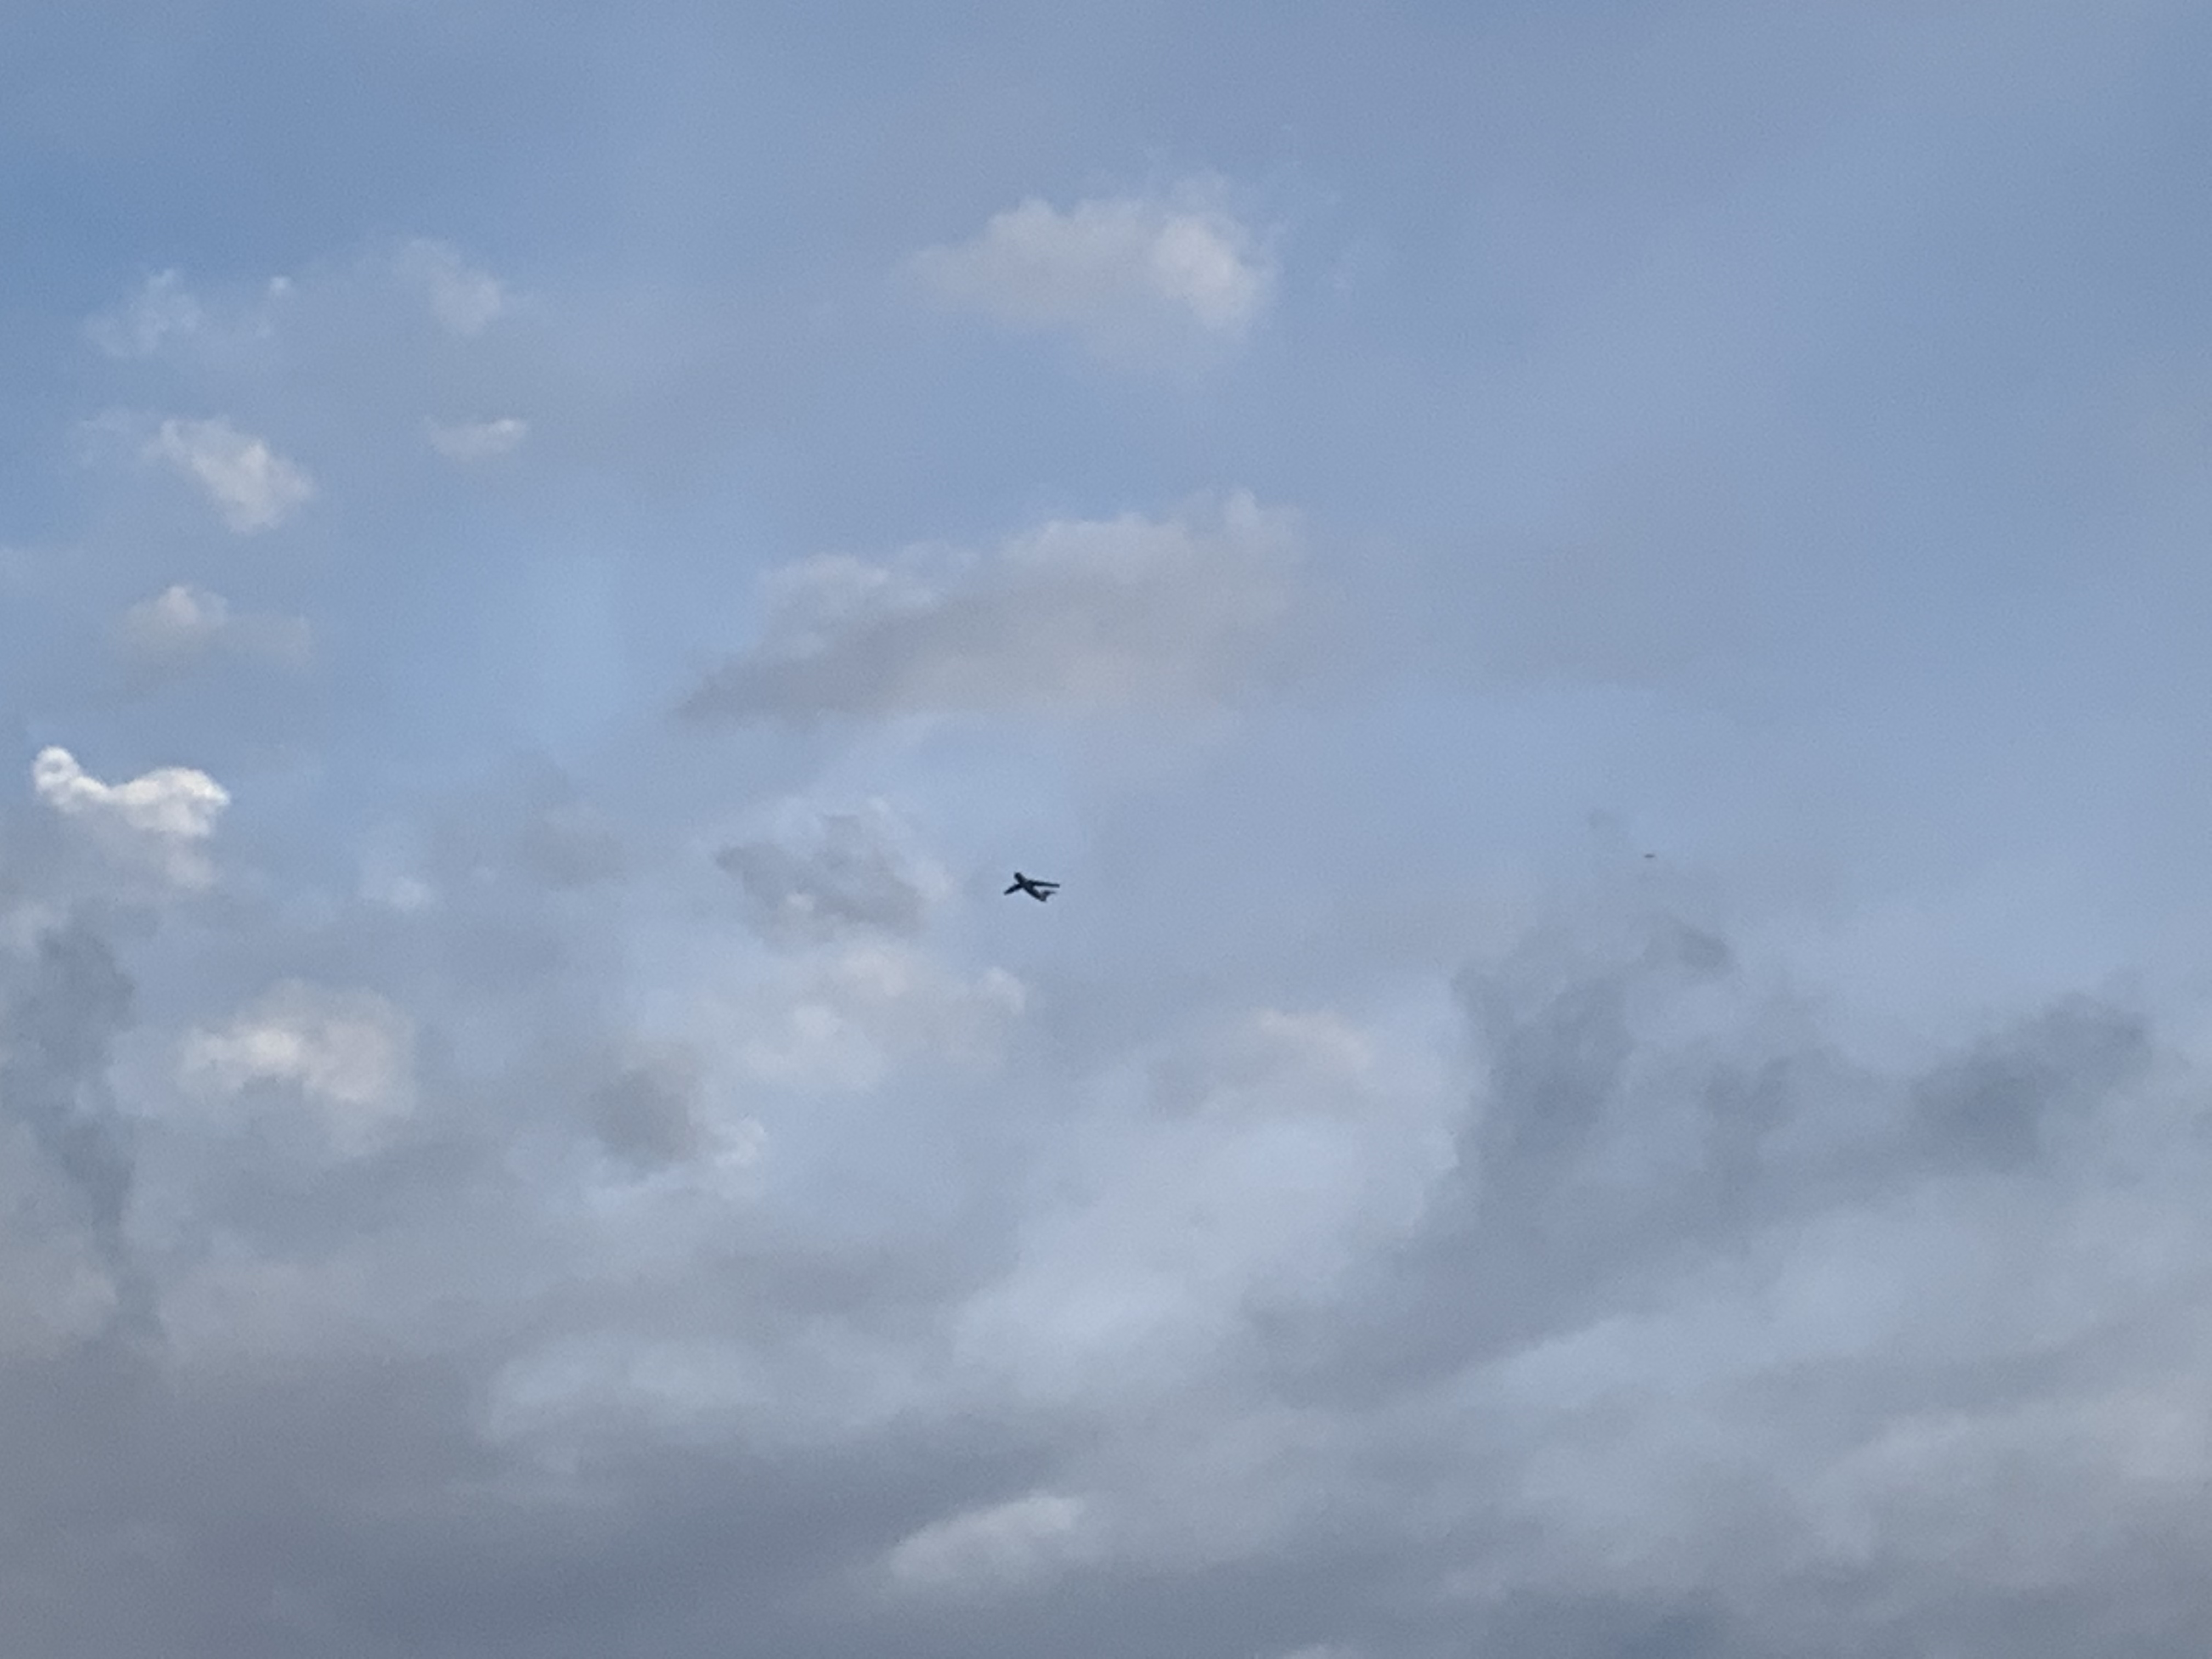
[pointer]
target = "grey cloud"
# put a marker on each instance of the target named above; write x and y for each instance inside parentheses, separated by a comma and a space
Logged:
(569, 844)
(58, 1024)
(1994, 1108)
(644, 1113)
(847, 871)
(1709, 1342)
(1603, 1156)
(1074, 615)
(58, 1027)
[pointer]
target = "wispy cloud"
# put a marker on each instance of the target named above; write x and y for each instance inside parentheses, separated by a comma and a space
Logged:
(162, 310)
(168, 318)
(1076, 615)
(464, 298)
(477, 440)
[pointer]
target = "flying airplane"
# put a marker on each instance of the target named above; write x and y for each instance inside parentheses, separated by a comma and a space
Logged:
(1039, 890)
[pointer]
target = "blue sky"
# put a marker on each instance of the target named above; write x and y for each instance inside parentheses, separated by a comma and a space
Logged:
(1599, 606)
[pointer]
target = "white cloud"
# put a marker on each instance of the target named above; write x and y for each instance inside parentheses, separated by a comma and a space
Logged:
(347, 1055)
(996, 1547)
(477, 440)
(1075, 615)
(252, 486)
(464, 299)
(182, 624)
(167, 812)
(1130, 276)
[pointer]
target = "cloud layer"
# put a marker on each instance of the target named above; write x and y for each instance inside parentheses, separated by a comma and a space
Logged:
(507, 1173)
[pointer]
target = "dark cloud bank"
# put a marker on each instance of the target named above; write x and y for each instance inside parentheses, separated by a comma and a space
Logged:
(1710, 1341)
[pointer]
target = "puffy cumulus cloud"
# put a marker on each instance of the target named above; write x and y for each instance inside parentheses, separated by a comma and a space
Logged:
(465, 299)
(252, 487)
(165, 814)
(1131, 277)
(345, 1056)
(477, 440)
(182, 625)
(833, 873)
(1076, 615)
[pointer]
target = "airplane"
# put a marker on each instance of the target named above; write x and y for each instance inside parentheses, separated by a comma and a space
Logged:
(1039, 890)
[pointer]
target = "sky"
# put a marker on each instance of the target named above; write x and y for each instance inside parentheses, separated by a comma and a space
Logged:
(1599, 606)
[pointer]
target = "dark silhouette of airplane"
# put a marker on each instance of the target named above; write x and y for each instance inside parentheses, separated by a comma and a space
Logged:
(1039, 890)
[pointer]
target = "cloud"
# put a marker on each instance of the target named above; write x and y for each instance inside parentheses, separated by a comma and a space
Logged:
(569, 844)
(164, 309)
(1251, 1163)
(992, 1548)
(477, 440)
(1128, 276)
(59, 1023)
(465, 299)
(1594, 1306)
(1304, 1240)
(1075, 615)
(252, 486)
(345, 1056)
(842, 872)
(854, 1017)
(166, 318)
(165, 814)
(182, 624)
(647, 1113)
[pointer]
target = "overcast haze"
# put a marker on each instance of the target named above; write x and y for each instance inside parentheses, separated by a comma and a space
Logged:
(1601, 608)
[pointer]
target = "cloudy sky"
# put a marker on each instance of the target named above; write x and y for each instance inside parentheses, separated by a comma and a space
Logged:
(1600, 607)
